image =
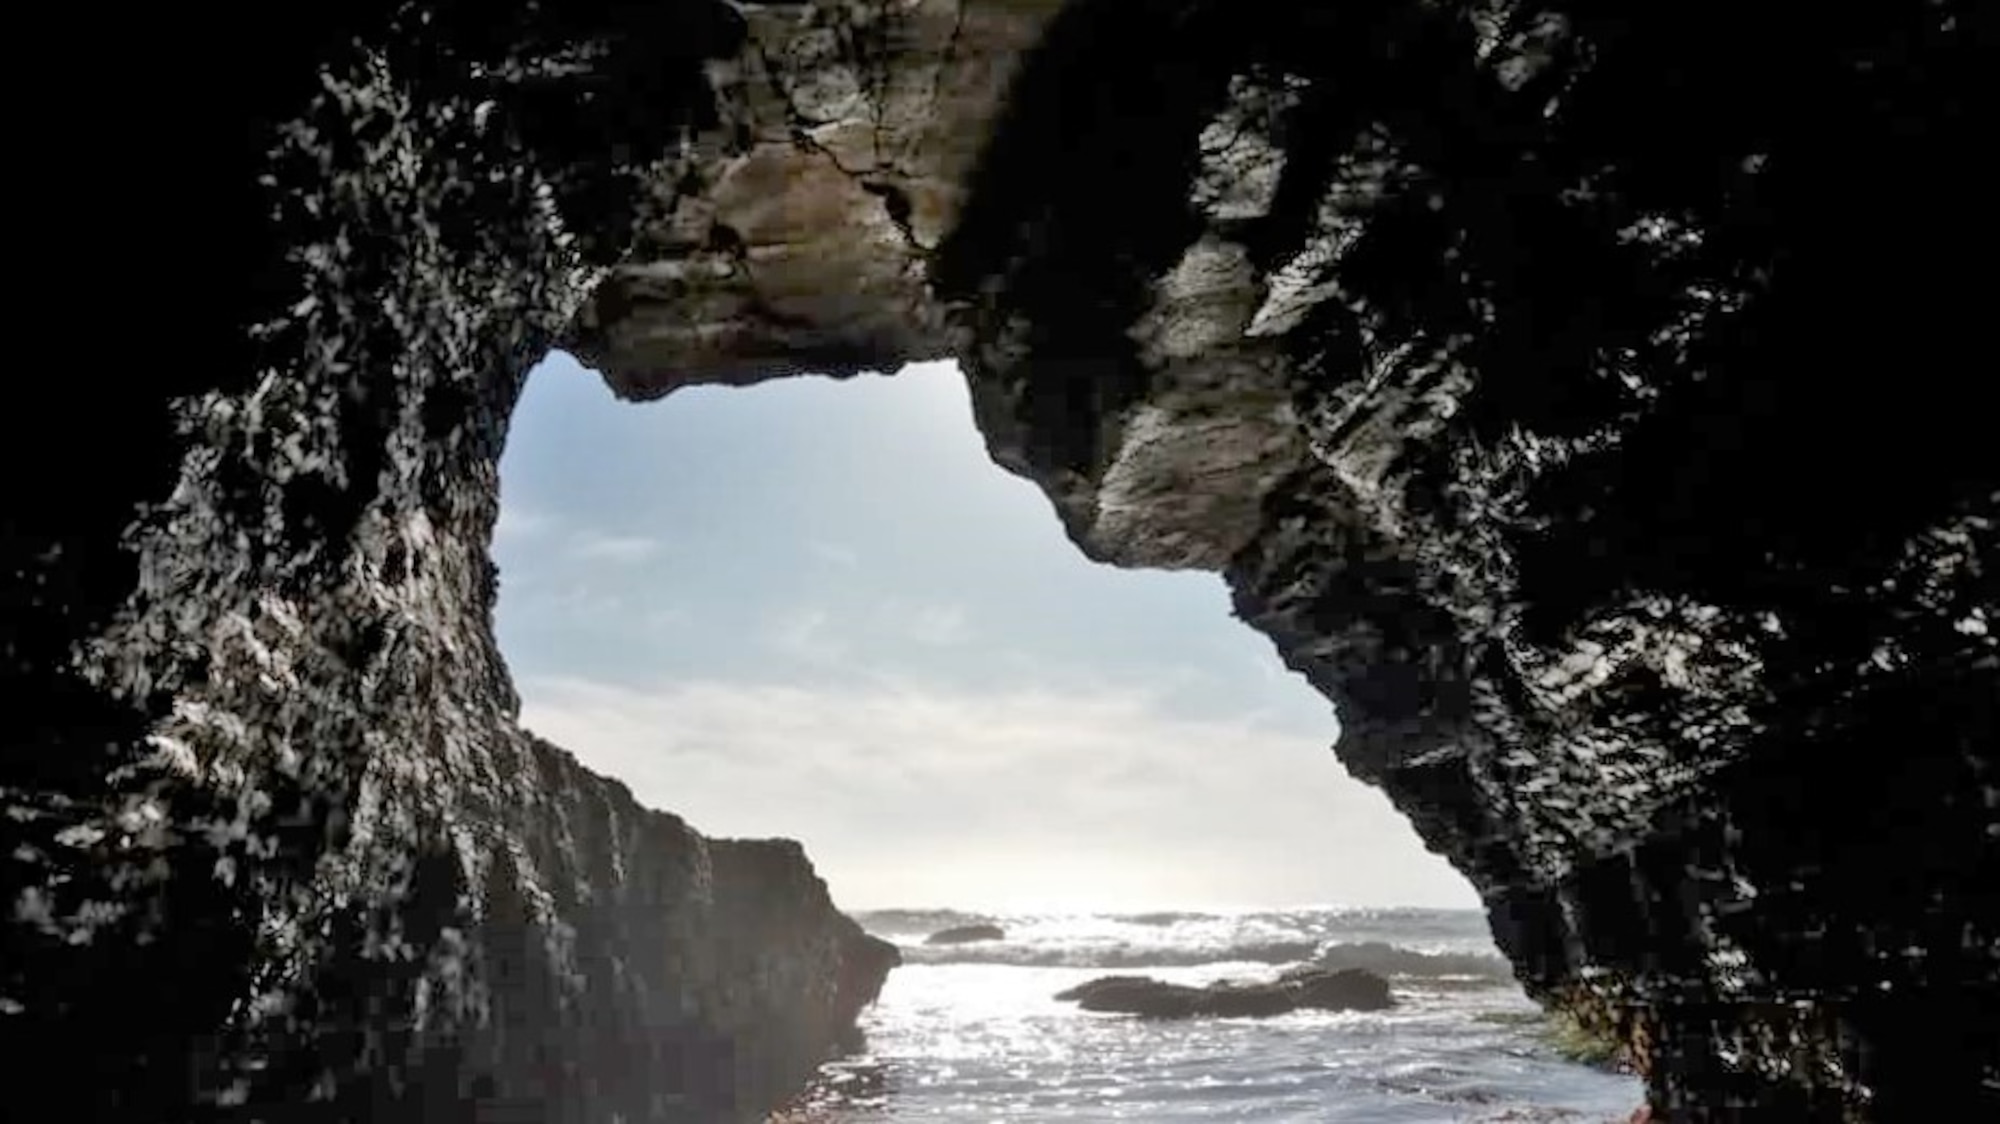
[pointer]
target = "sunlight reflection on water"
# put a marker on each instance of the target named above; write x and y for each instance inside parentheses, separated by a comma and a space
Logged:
(972, 1041)
(973, 1031)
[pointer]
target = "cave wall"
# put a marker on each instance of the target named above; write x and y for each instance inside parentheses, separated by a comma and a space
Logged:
(1580, 396)
(1583, 397)
(277, 848)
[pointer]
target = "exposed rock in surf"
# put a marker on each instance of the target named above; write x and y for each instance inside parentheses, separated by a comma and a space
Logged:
(1307, 988)
(967, 934)
(1115, 953)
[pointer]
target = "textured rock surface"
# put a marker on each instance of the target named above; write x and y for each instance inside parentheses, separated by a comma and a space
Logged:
(1311, 989)
(1582, 396)
(847, 137)
(1533, 376)
(276, 847)
(965, 934)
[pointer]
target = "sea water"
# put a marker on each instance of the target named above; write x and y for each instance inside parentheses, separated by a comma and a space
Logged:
(973, 1031)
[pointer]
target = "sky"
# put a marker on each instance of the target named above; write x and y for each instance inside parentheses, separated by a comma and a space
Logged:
(814, 608)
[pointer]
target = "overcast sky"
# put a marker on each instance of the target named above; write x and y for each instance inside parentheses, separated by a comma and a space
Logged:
(816, 609)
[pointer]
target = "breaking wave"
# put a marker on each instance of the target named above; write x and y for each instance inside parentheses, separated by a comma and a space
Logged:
(973, 1030)
(1375, 956)
(1406, 943)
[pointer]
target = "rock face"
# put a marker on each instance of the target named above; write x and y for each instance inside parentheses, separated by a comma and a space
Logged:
(1572, 436)
(1578, 398)
(966, 934)
(1311, 989)
(276, 847)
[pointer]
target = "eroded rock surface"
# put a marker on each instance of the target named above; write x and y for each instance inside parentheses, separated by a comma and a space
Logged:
(276, 847)
(966, 934)
(1583, 400)
(1302, 989)
(1528, 372)
(847, 137)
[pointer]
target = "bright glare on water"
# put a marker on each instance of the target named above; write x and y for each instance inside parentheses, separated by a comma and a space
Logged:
(972, 1032)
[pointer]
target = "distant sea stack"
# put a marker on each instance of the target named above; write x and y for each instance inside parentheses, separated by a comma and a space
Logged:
(1607, 457)
(1301, 989)
(966, 934)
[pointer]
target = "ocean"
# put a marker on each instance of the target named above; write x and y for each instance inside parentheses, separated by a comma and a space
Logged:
(972, 1031)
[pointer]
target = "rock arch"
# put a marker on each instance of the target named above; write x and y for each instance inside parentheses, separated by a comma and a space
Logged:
(1577, 440)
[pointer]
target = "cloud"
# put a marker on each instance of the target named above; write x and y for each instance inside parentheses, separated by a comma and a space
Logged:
(598, 546)
(912, 793)
(939, 625)
(807, 635)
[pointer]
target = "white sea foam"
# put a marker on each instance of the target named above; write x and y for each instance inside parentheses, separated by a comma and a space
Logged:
(974, 1032)
(1390, 942)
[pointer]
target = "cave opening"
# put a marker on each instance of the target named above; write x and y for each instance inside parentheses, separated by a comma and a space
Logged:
(273, 607)
(816, 609)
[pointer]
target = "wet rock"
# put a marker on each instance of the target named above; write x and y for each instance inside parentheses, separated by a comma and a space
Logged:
(1607, 458)
(965, 934)
(1499, 390)
(1318, 989)
(276, 847)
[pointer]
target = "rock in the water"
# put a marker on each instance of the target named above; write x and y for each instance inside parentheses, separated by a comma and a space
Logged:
(1347, 989)
(1339, 989)
(966, 934)
(1107, 985)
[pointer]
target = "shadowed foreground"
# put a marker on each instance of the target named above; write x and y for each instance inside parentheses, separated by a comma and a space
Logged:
(1583, 399)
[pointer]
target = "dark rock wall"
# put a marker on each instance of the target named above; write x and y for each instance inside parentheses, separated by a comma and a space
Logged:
(1647, 542)
(1580, 395)
(1586, 397)
(277, 849)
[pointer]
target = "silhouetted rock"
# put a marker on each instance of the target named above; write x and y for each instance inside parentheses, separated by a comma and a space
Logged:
(1108, 985)
(275, 846)
(966, 934)
(1348, 989)
(1583, 397)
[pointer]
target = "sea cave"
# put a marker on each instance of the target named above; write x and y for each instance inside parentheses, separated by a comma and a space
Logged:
(1583, 399)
